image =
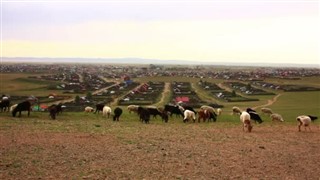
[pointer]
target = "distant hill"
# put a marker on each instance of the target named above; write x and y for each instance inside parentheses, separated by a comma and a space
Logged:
(147, 61)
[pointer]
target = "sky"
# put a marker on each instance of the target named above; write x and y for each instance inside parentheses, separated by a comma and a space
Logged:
(251, 31)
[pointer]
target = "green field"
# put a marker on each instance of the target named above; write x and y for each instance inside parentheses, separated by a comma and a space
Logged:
(19, 84)
(289, 104)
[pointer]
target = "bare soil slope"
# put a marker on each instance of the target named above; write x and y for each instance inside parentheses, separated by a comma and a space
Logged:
(190, 151)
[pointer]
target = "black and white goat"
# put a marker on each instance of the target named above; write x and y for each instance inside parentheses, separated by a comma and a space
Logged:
(305, 120)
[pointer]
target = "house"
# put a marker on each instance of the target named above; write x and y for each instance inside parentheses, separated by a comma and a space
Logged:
(182, 99)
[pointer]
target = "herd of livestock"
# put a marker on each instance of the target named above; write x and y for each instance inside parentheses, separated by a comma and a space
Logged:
(205, 113)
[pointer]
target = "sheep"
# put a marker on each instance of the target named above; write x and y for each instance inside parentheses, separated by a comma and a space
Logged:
(188, 115)
(133, 108)
(203, 114)
(219, 111)
(23, 106)
(276, 117)
(266, 111)
(173, 110)
(154, 111)
(236, 110)
(53, 111)
(144, 115)
(4, 97)
(99, 107)
(106, 111)
(4, 105)
(305, 120)
(187, 108)
(254, 115)
(246, 121)
(209, 108)
(117, 113)
(13, 107)
(212, 116)
(88, 109)
(59, 108)
(164, 116)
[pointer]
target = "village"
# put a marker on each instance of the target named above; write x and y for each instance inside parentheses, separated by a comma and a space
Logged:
(81, 85)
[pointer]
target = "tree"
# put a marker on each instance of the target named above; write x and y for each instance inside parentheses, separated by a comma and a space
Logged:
(234, 94)
(89, 96)
(77, 99)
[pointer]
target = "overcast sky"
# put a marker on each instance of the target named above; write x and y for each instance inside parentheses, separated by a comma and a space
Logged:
(273, 31)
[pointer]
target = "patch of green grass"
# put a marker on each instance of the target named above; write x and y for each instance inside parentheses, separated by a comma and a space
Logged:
(19, 84)
(292, 104)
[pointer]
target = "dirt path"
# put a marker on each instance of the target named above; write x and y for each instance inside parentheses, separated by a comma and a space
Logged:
(224, 87)
(166, 91)
(206, 98)
(115, 100)
(269, 102)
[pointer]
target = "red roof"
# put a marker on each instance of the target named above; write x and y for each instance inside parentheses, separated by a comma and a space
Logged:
(183, 99)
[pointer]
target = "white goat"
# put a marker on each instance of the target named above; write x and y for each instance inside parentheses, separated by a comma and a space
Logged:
(305, 120)
(88, 109)
(208, 108)
(245, 119)
(133, 108)
(106, 111)
(276, 117)
(266, 110)
(13, 107)
(236, 110)
(188, 115)
(219, 111)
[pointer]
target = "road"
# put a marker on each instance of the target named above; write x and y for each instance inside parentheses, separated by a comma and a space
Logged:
(164, 94)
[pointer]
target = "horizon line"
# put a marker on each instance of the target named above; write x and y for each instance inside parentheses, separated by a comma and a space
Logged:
(147, 61)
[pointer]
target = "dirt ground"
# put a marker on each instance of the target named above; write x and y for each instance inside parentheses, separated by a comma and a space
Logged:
(154, 151)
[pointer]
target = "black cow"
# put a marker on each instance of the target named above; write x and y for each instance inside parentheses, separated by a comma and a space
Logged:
(23, 106)
(117, 113)
(173, 110)
(144, 115)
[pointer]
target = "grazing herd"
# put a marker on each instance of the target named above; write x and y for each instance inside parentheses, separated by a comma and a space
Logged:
(188, 114)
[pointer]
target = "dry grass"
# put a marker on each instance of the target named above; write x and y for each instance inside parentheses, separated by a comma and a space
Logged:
(96, 148)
